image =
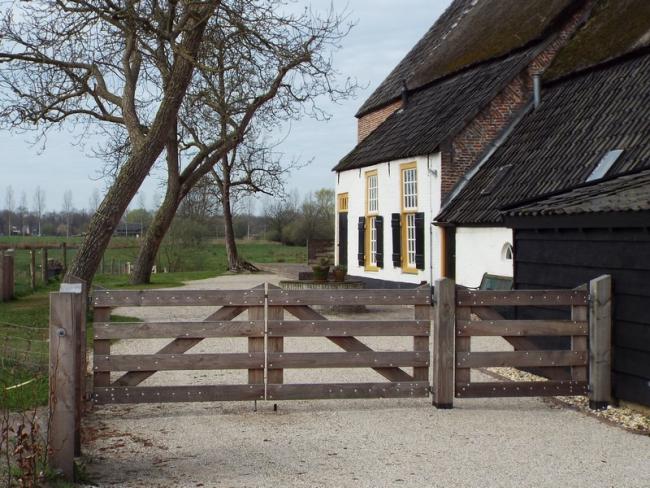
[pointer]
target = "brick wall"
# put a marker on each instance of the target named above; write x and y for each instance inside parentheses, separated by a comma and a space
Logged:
(472, 142)
(371, 121)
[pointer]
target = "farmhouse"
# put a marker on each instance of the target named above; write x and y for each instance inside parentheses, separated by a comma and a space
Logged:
(597, 228)
(454, 96)
(591, 121)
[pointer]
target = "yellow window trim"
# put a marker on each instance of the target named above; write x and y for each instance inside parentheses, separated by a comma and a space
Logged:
(343, 202)
(367, 234)
(404, 212)
(404, 257)
(366, 253)
(368, 174)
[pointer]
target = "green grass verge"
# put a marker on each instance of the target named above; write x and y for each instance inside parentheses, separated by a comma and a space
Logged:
(24, 321)
(195, 263)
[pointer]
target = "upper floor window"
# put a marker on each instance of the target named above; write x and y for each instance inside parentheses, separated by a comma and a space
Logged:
(409, 202)
(343, 202)
(409, 187)
(372, 192)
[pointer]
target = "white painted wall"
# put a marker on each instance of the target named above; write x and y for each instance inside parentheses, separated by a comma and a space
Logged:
(480, 250)
(353, 182)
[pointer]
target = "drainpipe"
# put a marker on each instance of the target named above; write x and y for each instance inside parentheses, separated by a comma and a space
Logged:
(537, 90)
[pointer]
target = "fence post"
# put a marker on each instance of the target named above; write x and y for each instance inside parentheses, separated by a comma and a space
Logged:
(6, 277)
(72, 282)
(600, 342)
(44, 276)
(2, 276)
(444, 328)
(66, 308)
(64, 251)
(32, 268)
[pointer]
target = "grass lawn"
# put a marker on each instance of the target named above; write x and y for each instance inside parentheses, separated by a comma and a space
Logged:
(193, 264)
(24, 321)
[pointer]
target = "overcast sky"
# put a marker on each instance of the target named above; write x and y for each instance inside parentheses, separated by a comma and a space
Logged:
(385, 30)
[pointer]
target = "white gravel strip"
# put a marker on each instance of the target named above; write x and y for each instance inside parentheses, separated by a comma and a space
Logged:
(352, 443)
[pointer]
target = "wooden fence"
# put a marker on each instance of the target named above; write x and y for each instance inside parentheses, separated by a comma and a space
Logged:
(462, 314)
(275, 314)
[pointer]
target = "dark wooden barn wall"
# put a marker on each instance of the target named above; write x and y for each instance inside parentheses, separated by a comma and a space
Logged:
(566, 258)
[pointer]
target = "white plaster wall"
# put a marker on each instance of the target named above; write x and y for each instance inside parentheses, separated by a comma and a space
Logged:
(480, 250)
(353, 182)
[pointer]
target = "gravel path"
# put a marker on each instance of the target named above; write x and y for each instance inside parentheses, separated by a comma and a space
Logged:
(356, 443)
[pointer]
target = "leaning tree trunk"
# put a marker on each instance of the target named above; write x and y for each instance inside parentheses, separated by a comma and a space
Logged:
(229, 232)
(137, 167)
(156, 232)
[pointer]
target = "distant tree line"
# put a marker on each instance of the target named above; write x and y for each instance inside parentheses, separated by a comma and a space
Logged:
(291, 220)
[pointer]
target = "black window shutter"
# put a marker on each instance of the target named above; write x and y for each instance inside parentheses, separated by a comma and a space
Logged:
(396, 227)
(362, 241)
(419, 240)
(379, 227)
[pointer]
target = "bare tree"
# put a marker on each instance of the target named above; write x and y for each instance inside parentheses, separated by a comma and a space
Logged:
(92, 62)
(271, 68)
(10, 204)
(67, 209)
(279, 213)
(22, 211)
(39, 206)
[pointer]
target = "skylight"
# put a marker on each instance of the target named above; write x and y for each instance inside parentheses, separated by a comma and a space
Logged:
(499, 174)
(605, 164)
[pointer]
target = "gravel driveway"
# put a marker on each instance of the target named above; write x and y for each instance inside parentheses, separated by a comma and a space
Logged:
(355, 443)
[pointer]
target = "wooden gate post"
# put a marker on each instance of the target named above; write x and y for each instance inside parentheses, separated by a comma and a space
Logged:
(444, 330)
(65, 327)
(600, 342)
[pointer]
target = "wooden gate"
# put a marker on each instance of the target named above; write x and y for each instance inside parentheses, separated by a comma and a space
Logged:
(265, 329)
(582, 369)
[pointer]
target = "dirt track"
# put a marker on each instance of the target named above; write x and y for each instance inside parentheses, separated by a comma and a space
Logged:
(367, 443)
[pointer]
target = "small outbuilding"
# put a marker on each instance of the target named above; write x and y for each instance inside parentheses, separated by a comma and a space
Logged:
(603, 227)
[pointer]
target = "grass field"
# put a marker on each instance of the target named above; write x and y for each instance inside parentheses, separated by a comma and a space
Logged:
(24, 321)
(194, 263)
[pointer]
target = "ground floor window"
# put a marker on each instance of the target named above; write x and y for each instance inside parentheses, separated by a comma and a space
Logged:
(372, 242)
(410, 240)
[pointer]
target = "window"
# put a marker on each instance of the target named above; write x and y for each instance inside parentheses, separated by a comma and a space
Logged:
(506, 252)
(605, 164)
(343, 202)
(372, 209)
(372, 192)
(409, 188)
(372, 255)
(410, 240)
(409, 197)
